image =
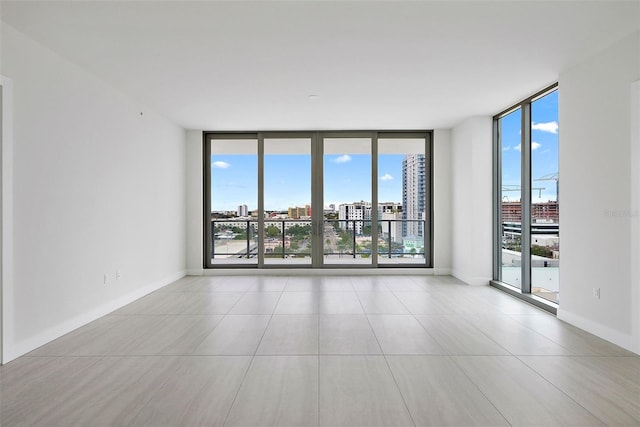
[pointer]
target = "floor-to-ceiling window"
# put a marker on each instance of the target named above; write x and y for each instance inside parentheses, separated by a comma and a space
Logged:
(526, 216)
(318, 199)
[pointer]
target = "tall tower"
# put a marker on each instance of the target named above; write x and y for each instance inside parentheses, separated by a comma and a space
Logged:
(413, 194)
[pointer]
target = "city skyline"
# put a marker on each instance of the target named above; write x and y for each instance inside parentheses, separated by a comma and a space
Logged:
(287, 180)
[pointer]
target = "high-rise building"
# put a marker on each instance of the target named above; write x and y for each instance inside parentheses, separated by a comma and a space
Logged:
(390, 217)
(354, 215)
(413, 195)
(243, 210)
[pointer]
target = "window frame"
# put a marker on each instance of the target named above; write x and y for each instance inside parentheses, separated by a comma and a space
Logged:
(317, 190)
(526, 180)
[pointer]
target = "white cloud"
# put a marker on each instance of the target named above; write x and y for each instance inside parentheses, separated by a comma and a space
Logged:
(534, 146)
(551, 127)
(220, 164)
(506, 148)
(342, 159)
(386, 177)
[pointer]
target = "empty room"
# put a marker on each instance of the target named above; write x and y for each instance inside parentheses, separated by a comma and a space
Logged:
(320, 213)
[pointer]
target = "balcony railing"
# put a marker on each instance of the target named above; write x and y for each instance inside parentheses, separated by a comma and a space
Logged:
(290, 238)
(397, 238)
(233, 238)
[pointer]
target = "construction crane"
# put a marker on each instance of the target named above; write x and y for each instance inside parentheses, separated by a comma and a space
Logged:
(509, 187)
(552, 177)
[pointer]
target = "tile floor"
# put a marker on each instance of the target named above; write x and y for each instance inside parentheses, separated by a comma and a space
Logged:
(324, 351)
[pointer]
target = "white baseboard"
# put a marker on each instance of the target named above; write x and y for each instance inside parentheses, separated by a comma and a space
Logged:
(195, 272)
(318, 272)
(606, 333)
(442, 271)
(470, 280)
(15, 350)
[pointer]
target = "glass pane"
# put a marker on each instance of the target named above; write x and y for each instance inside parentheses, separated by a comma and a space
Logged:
(545, 226)
(511, 208)
(234, 201)
(347, 197)
(287, 201)
(402, 201)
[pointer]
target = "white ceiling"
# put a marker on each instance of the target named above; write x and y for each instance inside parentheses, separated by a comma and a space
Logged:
(374, 65)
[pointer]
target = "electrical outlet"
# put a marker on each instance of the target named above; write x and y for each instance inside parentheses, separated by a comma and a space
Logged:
(118, 275)
(596, 293)
(106, 279)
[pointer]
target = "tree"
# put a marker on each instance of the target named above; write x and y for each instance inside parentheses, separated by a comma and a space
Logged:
(272, 231)
(299, 232)
(541, 251)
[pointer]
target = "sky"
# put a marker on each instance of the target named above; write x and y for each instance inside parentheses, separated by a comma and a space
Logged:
(287, 180)
(544, 153)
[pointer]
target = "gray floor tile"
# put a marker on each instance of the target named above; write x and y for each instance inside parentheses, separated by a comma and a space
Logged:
(359, 391)
(380, 302)
(302, 284)
(197, 284)
(179, 285)
(177, 356)
(515, 337)
(268, 284)
(196, 391)
(235, 284)
(298, 303)
(278, 391)
(403, 334)
(368, 284)
(347, 334)
(422, 303)
(335, 284)
(109, 392)
(522, 396)
(157, 303)
(290, 334)
(339, 303)
(178, 335)
(402, 284)
(76, 341)
(457, 336)
(256, 303)
(577, 341)
(609, 387)
(234, 335)
(210, 303)
(34, 387)
(124, 339)
(438, 393)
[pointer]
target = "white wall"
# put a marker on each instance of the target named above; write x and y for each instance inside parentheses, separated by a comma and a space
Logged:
(442, 201)
(97, 187)
(595, 187)
(194, 203)
(635, 207)
(471, 200)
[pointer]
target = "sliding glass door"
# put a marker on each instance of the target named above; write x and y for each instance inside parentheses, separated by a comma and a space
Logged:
(347, 196)
(287, 237)
(232, 208)
(317, 199)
